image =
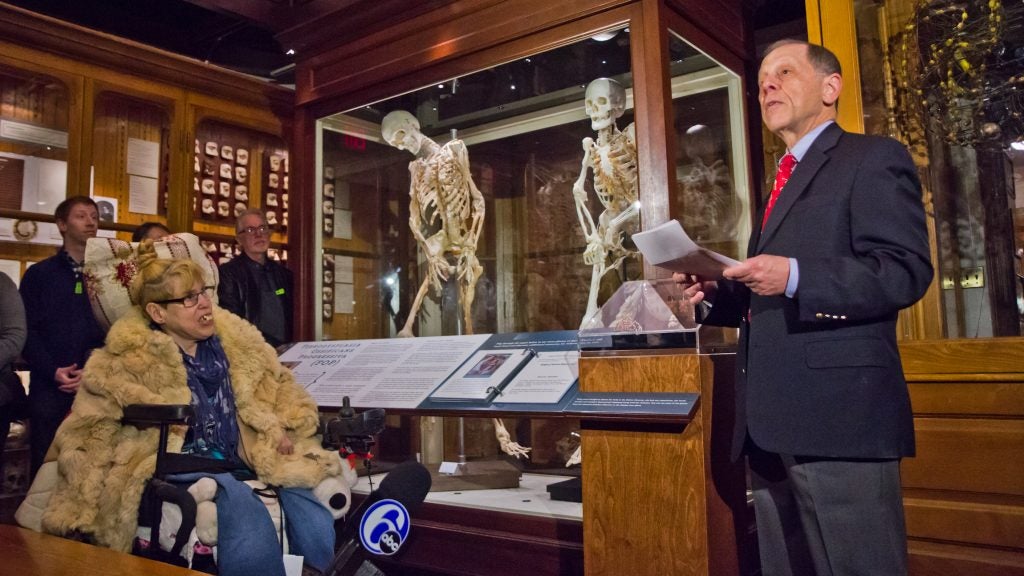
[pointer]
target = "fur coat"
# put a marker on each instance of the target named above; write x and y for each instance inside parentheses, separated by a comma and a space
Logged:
(104, 465)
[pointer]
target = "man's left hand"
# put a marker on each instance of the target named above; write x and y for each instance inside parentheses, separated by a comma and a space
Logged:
(765, 274)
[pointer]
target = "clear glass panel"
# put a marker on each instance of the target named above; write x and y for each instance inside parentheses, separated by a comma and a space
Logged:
(515, 131)
(712, 197)
(491, 189)
(133, 182)
(34, 112)
(949, 79)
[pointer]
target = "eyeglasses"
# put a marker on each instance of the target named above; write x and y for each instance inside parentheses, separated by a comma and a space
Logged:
(261, 229)
(191, 299)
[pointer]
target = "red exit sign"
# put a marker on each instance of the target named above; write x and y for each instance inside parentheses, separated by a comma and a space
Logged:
(354, 142)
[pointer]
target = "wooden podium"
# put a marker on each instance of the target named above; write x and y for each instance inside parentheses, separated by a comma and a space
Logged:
(663, 498)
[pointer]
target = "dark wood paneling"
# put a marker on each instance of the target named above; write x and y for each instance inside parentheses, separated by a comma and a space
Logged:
(938, 559)
(42, 33)
(457, 30)
(972, 455)
(722, 20)
(468, 541)
(964, 491)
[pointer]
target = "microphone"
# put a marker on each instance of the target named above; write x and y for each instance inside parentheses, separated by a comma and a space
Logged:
(378, 525)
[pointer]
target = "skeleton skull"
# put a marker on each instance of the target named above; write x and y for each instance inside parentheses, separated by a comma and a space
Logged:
(605, 102)
(401, 130)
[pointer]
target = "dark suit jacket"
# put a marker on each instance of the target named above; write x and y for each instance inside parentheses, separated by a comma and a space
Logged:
(819, 374)
(239, 292)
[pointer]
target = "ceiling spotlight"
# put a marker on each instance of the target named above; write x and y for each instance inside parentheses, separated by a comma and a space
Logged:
(605, 36)
(440, 85)
(513, 86)
(290, 52)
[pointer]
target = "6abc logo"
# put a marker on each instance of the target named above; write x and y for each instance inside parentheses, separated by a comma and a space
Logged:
(384, 527)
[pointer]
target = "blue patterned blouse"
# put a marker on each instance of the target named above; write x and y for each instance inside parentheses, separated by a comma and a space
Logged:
(213, 431)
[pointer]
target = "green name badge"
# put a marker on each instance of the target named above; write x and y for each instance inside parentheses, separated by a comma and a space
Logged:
(78, 287)
(279, 292)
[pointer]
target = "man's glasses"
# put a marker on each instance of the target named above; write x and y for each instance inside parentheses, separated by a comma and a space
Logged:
(191, 299)
(261, 229)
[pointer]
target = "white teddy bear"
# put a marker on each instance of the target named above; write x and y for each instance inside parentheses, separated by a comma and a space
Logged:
(334, 492)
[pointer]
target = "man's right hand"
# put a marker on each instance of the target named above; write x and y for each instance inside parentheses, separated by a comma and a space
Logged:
(68, 378)
(697, 290)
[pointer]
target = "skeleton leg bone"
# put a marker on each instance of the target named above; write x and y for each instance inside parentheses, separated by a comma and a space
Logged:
(406, 331)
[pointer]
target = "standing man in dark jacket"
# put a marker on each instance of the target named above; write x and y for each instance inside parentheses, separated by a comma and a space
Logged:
(254, 286)
(62, 330)
(822, 407)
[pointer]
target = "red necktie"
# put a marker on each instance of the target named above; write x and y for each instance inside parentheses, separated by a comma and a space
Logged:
(781, 177)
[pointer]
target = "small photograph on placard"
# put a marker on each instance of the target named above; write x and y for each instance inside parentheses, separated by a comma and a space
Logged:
(487, 366)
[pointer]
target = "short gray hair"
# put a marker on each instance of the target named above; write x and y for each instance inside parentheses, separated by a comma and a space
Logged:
(250, 211)
(822, 59)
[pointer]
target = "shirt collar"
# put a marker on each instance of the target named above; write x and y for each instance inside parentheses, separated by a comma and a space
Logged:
(76, 267)
(804, 144)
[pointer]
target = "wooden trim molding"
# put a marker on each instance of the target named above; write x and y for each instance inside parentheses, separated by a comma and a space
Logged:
(24, 28)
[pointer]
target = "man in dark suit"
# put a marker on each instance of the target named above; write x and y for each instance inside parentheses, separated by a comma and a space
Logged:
(822, 407)
(254, 286)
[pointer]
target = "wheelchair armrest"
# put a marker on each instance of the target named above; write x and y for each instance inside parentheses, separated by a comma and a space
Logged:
(155, 414)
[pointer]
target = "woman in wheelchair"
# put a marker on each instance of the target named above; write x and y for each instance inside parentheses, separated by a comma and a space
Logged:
(177, 347)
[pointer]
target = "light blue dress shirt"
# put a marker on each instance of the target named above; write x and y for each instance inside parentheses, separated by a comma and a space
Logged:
(798, 151)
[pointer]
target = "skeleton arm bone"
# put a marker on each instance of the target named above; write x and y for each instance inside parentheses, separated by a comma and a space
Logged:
(477, 207)
(579, 193)
(432, 248)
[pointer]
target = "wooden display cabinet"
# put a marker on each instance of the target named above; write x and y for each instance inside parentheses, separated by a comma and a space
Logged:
(104, 93)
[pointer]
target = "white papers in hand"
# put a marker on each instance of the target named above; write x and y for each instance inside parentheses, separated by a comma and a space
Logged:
(668, 246)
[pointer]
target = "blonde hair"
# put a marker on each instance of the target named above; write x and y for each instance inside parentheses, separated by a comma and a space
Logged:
(157, 277)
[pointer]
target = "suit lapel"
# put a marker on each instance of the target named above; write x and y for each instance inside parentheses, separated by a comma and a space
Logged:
(816, 157)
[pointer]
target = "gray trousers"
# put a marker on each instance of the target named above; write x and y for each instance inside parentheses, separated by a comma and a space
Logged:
(828, 517)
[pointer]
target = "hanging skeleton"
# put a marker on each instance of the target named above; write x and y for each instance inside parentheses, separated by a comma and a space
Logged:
(612, 159)
(446, 214)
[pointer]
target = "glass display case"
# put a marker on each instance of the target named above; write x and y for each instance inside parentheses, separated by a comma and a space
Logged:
(504, 201)
(235, 169)
(130, 164)
(523, 246)
(34, 126)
